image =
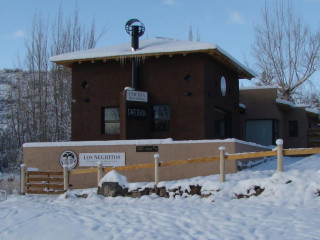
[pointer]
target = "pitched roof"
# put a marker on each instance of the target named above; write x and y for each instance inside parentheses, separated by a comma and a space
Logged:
(154, 47)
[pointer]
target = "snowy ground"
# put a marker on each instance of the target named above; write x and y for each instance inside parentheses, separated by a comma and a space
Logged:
(289, 208)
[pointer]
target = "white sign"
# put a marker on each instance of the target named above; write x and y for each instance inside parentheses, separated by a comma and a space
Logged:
(137, 96)
(107, 159)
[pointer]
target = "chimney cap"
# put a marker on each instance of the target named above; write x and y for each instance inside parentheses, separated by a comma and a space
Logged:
(134, 23)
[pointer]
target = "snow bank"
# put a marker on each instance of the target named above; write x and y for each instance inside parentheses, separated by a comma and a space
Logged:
(242, 105)
(300, 181)
(114, 176)
(287, 209)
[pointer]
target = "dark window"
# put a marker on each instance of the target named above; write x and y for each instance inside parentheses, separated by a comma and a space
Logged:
(161, 118)
(275, 130)
(111, 120)
(187, 78)
(85, 84)
(263, 132)
(220, 127)
(293, 128)
(222, 123)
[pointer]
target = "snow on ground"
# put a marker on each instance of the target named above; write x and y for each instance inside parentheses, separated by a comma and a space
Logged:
(287, 209)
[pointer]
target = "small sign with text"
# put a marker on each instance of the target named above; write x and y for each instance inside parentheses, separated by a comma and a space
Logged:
(137, 96)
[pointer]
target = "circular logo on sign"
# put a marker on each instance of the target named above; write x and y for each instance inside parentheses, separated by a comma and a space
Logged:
(69, 159)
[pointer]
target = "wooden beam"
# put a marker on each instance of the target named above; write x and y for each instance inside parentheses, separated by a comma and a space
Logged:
(189, 161)
(303, 151)
(250, 155)
(37, 173)
(129, 167)
(46, 179)
(43, 185)
(44, 192)
(83, 171)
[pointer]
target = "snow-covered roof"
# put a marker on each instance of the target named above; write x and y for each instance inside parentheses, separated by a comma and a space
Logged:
(292, 105)
(314, 111)
(136, 142)
(285, 102)
(257, 87)
(153, 47)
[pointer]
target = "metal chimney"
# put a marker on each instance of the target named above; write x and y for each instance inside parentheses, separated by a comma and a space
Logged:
(135, 38)
(135, 29)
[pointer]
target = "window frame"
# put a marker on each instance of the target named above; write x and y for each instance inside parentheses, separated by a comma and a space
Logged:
(158, 123)
(105, 121)
(274, 127)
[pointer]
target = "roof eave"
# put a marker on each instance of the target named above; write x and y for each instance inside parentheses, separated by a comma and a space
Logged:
(217, 53)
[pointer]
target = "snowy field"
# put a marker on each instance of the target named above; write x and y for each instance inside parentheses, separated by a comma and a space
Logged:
(288, 208)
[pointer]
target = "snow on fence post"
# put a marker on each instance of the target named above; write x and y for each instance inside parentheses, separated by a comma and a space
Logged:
(279, 143)
(156, 171)
(99, 172)
(222, 164)
(65, 178)
(22, 179)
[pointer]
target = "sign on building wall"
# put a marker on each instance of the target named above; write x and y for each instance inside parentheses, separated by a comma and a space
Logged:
(107, 159)
(147, 148)
(137, 96)
(69, 159)
(136, 112)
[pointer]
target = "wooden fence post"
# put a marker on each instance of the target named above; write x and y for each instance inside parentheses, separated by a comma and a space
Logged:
(222, 164)
(156, 171)
(65, 178)
(279, 143)
(22, 179)
(99, 172)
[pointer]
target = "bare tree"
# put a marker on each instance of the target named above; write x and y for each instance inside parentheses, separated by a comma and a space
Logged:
(286, 51)
(39, 101)
(37, 63)
(198, 35)
(67, 35)
(310, 96)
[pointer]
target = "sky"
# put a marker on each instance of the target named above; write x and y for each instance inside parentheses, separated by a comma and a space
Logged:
(227, 23)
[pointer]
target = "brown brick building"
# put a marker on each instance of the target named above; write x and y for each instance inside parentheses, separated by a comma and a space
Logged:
(189, 89)
(265, 118)
(183, 90)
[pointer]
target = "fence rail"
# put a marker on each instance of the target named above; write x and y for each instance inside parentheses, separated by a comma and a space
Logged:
(62, 177)
(236, 156)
